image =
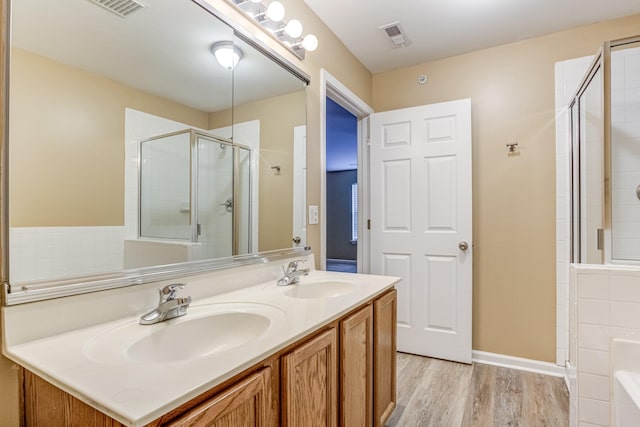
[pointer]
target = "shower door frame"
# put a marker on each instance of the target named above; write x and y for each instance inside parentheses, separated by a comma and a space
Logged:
(601, 61)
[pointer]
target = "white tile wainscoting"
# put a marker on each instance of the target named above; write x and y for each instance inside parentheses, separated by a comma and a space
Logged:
(39, 253)
(604, 303)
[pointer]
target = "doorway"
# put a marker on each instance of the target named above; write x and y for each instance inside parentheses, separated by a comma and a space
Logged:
(342, 188)
(333, 92)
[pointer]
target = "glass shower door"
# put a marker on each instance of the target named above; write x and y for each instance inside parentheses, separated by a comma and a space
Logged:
(587, 133)
(165, 187)
(215, 198)
(625, 152)
(592, 170)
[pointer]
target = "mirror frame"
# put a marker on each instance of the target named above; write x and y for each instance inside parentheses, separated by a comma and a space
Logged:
(44, 290)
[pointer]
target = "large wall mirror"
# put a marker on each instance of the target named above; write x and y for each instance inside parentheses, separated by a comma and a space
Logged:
(131, 146)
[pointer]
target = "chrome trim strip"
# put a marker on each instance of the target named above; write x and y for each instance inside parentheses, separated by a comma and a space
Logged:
(4, 147)
(49, 290)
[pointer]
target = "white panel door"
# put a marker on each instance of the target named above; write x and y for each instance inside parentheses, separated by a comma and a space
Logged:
(421, 223)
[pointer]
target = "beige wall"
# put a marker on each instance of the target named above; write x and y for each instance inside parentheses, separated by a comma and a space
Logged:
(82, 147)
(278, 116)
(512, 92)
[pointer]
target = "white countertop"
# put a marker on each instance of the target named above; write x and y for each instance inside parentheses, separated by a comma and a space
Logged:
(137, 392)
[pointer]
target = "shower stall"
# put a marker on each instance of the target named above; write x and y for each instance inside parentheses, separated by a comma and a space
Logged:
(196, 187)
(605, 158)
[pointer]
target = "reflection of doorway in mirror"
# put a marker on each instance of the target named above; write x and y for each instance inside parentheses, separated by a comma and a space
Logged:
(299, 238)
(342, 177)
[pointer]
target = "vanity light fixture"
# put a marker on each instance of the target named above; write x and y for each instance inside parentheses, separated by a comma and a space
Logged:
(275, 11)
(293, 28)
(227, 54)
(270, 15)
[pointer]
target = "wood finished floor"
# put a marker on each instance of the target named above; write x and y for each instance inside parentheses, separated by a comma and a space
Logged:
(437, 393)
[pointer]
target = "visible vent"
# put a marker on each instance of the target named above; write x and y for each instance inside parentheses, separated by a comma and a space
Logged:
(395, 35)
(120, 7)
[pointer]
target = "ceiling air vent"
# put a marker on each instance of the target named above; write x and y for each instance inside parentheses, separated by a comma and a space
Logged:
(395, 35)
(121, 8)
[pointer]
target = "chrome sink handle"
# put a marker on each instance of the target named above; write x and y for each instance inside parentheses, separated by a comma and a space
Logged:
(293, 266)
(291, 274)
(169, 292)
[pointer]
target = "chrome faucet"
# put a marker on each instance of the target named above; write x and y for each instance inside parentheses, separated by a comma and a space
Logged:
(168, 307)
(292, 274)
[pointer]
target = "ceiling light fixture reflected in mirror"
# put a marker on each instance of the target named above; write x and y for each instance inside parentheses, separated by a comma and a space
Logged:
(227, 54)
(270, 15)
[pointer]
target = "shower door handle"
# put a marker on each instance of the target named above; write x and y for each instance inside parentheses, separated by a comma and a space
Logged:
(463, 246)
(228, 205)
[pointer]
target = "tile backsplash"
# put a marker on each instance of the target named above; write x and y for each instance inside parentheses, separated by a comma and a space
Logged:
(39, 253)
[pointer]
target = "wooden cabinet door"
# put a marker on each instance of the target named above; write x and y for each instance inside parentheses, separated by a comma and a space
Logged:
(356, 368)
(309, 383)
(384, 361)
(45, 405)
(245, 404)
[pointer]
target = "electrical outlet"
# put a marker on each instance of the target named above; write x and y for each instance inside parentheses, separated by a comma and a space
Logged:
(313, 215)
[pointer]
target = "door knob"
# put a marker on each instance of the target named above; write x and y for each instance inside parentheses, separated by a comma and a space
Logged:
(297, 240)
(463, 246)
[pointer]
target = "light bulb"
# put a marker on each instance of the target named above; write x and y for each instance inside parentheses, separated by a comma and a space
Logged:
(227, 54)
(227, 58)
(310, 42)
(275, 11)
(293, 28)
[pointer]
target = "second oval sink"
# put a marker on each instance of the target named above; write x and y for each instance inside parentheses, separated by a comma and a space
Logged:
(320, 290)
(203, 331)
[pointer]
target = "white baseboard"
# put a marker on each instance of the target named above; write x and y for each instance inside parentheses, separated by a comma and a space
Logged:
(518, 363)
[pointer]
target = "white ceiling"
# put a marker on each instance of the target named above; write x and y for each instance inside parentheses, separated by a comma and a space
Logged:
(444, 28)
(161, 49)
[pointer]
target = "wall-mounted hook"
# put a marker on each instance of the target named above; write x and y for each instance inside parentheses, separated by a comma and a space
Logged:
(277, 169)
(512, 147)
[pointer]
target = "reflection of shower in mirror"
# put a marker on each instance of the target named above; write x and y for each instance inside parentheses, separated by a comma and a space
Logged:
(209, 175)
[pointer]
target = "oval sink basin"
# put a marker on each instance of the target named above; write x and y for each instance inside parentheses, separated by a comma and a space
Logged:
(199, 337)
(203, 331)
(320, 290)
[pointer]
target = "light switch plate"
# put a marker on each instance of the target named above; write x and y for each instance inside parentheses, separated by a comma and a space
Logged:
(313, 214)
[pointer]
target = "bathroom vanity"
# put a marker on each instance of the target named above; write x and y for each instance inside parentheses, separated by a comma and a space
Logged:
(321, 352)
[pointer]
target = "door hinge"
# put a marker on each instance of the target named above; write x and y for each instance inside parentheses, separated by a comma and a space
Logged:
(199, 229)
(368, 224)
